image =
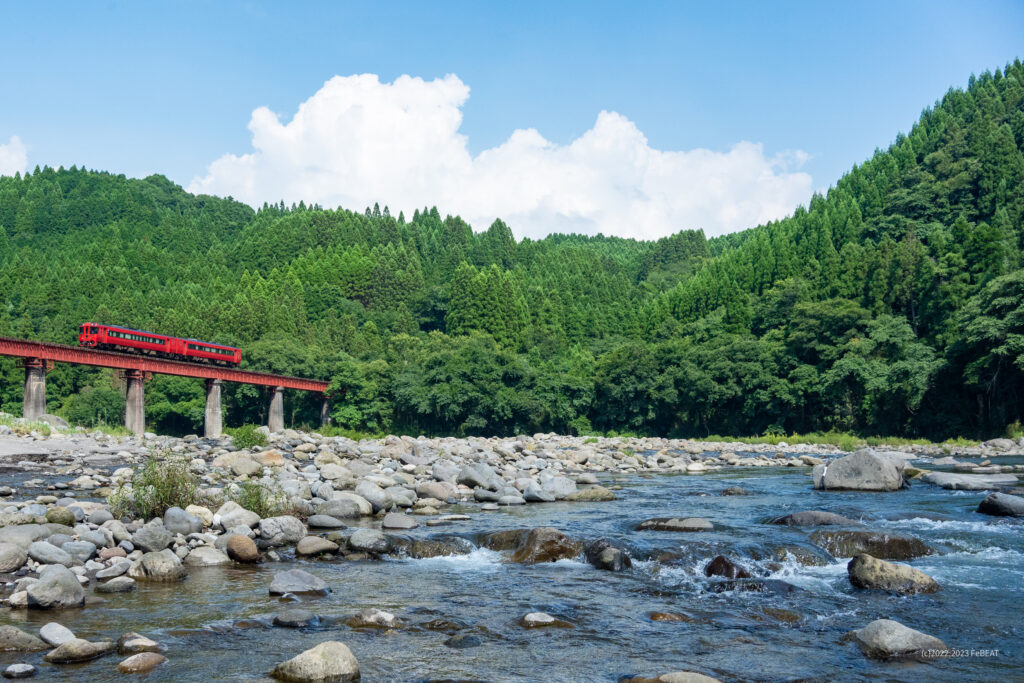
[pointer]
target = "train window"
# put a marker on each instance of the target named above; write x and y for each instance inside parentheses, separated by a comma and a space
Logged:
(94, 330)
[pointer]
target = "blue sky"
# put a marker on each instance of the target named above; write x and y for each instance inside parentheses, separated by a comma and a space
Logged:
(141, 88)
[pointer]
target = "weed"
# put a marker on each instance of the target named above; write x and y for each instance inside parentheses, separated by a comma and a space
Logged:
(247, 436)
(266, 500)
(162, 482)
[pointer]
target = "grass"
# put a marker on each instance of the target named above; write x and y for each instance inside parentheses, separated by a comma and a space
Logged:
(22, 428)
(353, 434)
(161, 483)
(247, 436)
(842, 440)
(266, 500)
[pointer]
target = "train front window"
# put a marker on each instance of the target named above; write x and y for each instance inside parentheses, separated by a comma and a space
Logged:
(94, 330)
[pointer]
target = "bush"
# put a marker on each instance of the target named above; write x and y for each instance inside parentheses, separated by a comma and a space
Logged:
(247, 436)
(162, 483)
(266, 500)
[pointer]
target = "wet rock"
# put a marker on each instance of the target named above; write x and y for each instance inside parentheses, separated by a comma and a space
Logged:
(296, 618)
(398, 520)
(206, 556)
(887, 639)
(339, 508)
(315, 545)
(57, 588)
(141, 663)
(242, 549)
(132, 643)
(152, 538)
(735, 491)
(56, 634)
(369, 541)
(462, 641)
(329, 661)
(160, 566)
(47, 553)
(231, 514)
(325, 522)
(60, 515)
(674, 677)
(121, 584)
(373, 618)
(603, 555)
(437, 547)
(299, 582)
(869, 572)
(15, 640)
(676, 524)
(19, 671)
(815, 518)
(178, 521)
(969, 482)
(508, 539)
(864, 470)
(546, 544)
(278, 531)
(1002, 505)
(78, 650)
(444, 625)
(882, 546)
(543, 620)
(722, 566)
(11, 557)
(670, 617)
(591, 494)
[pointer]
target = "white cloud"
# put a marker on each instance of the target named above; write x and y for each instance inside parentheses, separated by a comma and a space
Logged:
(13, 157)
(357, 141)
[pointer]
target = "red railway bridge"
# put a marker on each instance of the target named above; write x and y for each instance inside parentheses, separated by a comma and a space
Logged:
(38, 357)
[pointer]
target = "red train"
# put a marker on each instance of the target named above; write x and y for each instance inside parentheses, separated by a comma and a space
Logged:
(151, 344)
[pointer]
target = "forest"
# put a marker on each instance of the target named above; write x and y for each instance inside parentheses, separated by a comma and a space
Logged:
(891, 305)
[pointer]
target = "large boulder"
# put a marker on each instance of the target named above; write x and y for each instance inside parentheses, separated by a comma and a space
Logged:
(870, 572)
(342, 508)
(15, 640)
(179, 521)
(11, 557)
(78, 650)
(299, 582)
(152, 538)
(675, 524)
(329, 661)
(864, 470)
(284, 530)
(241, 548)
(159, 566)
(723, 566)
(369, 541)
(47, 553)
(603, 555)
(231, 514)
(559, 487)
(480, 475)
(57, 588)
(378, 497)
(206, 556)
(887, 639)
(815, 518)
(1002, 505)
(884, 546)
(969, 482)
(546, 544)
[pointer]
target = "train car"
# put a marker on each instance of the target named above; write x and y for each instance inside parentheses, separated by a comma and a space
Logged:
(114, 338)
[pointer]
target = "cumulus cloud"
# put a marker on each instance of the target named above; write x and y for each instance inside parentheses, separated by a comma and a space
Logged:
(357, 141)
(13, 157)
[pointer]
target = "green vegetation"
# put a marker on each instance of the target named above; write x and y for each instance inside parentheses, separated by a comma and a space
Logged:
(893, 304)
(162, 482)
(266, 500)
(24, 428)
(247, 436)
(842, 440)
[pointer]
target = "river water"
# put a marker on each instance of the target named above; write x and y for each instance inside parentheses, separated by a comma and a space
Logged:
(216, 624)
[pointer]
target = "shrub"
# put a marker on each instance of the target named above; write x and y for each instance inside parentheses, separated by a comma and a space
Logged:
(161, 483)
(247, 436)
(266, 500)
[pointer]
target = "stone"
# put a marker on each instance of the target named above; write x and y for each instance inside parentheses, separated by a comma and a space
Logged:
(887, 639)
(160, 566)
(879, 545)
(57, 588)
(100, 516)
(1002, 505)
(206, 556)
(152, 538)
(438, 547)
(546, 544)
(12, 557)
(47, 553)
(120, 584)
(479, 475)
(676, 524)
(315, 545)
(441, 490)
(870, 572)
(296, 618)
(81, 551)
(559, 487)
(369, 541)
(533, 493)
(543, 620)
(815, 518)
(116, 569)
(462, 641)
(340, 508)
(398, 520)
(591, 494)
(723, 566)
(132, 643)
(141, 663)
(13, 639)
(969, 482)
(178, 521)
(603, 555)
(203, 513)
(325, 522)
(78, 650)
(299, 582)
(674, 677)
(1000, 444)
(60, 515)
(328, 661)
(231, 514)
(284, 530)
(377, 497)
(864, 470)
(19, 671)
(242, 549)
(245, 466)
(372, 618)
(56, 634)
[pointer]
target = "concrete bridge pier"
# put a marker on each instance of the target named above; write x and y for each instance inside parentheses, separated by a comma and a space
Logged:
(135, 403)
(325, 411)
(34, 406)
(275, 417)
(214, 421)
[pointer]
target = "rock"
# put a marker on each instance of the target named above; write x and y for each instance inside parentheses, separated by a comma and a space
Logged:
(869, 572)
(815, 518)
(735, 491)
(242, 549)
(545, 544)
(339, 508)
(543, 620)
(441, 490)
(559, 487)
(141, 663)
(969, 482)
(329, 661)
(152, 538)
(864, 470)
(591, 494)
(245, 467)
(372, 618)
(369, 541)
(204, 514)
(378, 497)
(284, 530)
(299, 582)
(60, 515)
(603, 555)
(11, 557)
(78, 650)
(57, 588)
(55, 634)
(81, 551)
(533, 493)
(158, 566)
(296, 618)
(722, 566)
(47, 553)
(670, 617)
(315, 545)
(462, 641)
(999, 444)
(398, 520)
(132, 643)
(676, 524)
(887, 639)
(19, 671)
(15, 640)
(206, 556)
(675, 677)
(178, 521)
(231, 514)
(325, 522)
(1002, 505)
(120, 584)
(438, 547)
(883, 546)
(478, 475)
